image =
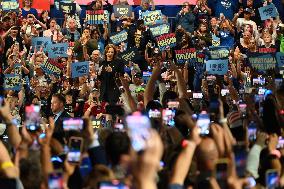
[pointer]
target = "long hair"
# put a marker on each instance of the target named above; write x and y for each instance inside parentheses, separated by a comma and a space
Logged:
(24, 4)
(107, 48)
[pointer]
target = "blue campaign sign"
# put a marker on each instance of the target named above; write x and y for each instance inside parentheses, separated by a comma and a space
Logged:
(39, 42)
(280, 60)
(12, 82)
(218, 67)
(10, 5)
(119, 37)
(152, 17)
(268, 12)
(79, 69)
(57, 50)
(220, 52)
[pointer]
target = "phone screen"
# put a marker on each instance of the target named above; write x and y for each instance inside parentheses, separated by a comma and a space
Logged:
(272, 179)
(252, 130)
(32, 113)
(96, 123)
(55, 181)
(203, 122)
(197, 95)
(113, 185)
(240, 159)
(280, 144)
(73, 124)
(75, 145)
(224, 92)
(138, 126)
(154, 113)
(168, 117)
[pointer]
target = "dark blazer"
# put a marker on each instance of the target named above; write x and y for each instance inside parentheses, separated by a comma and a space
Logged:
(59, 133)
(109, 90)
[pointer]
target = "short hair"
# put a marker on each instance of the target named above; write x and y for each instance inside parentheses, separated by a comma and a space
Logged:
(60, 97)
(117, 144)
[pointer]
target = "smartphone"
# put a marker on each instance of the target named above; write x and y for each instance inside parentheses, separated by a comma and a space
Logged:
(32, 121)
(1, 101)
(224, 92)
(252, 130)
(261, 91)
(203, 122)
(113, 185)
(138, 128)
(221, 173)
(251, 183)
(243, 108)
(197, 95)
(280, 144)
(73, 124)
(214, 106)
(96, 123)
(272, 179)
(168, 117)
(155, 113)
(146, 76)
(75, 148)
(240, 159)
(55, 180)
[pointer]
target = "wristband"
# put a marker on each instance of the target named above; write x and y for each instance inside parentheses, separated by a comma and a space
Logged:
(7, 164)
(222, 121)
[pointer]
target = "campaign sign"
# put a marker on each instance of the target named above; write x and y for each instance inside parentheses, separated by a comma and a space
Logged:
(262, 62)
(268, 12)
(67, 7)
(57, 50)
(152, 17)
(129, 55)
(79, 69)
(166, 40)
(39, 42)
(218, 67)
(185, 55)
(161, 29)
(216, 41)
(50, 69)
(10, 5)
(220, 52)
(118, 37)
(122, 10)
(18, 69)
(12, 82)
(97, 17)
(280, 60)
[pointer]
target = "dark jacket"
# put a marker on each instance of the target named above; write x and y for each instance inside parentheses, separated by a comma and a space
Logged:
(59, 133)
(91, 45)
(109, 90)
(186, 21)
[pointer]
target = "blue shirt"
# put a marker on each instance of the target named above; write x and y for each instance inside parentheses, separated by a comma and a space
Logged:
(31, 11)
(227, 7)
(227, 39)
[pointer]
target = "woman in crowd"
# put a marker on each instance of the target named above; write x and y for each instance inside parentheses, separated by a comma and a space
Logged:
(27, 8)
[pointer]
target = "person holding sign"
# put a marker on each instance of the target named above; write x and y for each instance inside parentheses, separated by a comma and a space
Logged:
(111, 69)
(117, 21)
(27, 9)
(185, 18)
(145, 6)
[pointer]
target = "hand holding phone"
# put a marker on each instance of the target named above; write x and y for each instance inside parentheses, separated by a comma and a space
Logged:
(32, 114)
(75, 148)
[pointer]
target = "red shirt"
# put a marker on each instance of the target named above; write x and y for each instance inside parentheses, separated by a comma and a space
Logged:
(96, 109)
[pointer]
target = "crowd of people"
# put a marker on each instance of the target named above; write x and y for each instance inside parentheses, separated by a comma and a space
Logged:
(150, 122)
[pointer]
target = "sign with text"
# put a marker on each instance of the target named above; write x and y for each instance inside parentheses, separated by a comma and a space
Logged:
(216, 41)
(129, 55)
(262, 62)
(10, 5)
(280, 60)
(39, 42)
(119, 37)
(97, 17)
(50, 69)
(158, 30)
(220, 52)
(57, 50)
(185, 55)
(79, 69)
(12, 82)
(122, 10)
(166, 41)
(152, 17)
(268, 12)
(18, 69)
(267, 50)
(218, 67)
(67, 8)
